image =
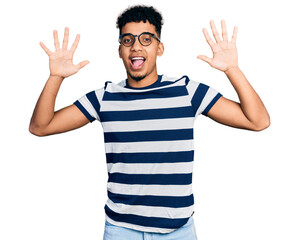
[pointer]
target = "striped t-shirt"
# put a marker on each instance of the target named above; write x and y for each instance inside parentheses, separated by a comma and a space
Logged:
(148, 134)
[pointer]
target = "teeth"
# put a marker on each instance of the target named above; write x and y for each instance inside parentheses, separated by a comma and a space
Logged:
(137, 58)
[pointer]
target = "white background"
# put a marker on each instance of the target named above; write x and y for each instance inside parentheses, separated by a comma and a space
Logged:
(245, 183)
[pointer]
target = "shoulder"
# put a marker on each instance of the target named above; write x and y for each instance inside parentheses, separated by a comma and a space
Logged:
(183, 78)
(122, 83)
(168, 79)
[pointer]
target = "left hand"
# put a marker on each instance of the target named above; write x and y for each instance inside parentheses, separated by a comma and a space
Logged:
(225, 54)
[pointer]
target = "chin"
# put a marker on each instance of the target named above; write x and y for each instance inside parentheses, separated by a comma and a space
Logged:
(137, 78)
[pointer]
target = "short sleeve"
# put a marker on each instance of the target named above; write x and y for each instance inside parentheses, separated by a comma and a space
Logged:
(202, 97)
(90, 104)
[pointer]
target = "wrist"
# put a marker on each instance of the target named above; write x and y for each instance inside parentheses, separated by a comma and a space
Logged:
(56, 78)
(231, 69)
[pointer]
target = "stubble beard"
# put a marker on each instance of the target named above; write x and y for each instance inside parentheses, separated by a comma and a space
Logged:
(137, 78)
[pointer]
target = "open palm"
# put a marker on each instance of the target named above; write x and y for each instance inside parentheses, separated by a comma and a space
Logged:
(61, 61)
(225, 53)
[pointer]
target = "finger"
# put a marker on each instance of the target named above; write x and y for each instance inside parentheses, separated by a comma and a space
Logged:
(56, 40)
(205, 58)
(81, 64)
(75, 44)
(215, 32)
(45, 48)
(208, 38)
(65, 39)
(234, 37)
(224, 31)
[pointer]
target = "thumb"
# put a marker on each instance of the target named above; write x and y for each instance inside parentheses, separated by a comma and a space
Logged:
(205, 59)
(81, 64)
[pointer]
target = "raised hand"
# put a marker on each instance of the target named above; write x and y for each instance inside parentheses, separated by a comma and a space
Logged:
(225, 53)
(61, 61)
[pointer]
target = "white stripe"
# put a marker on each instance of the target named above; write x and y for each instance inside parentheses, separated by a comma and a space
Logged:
(141, 104)
(146, 125)
(150, 168)
(169, 79)
(99, 93)
(191, 87)
(156, 190)
(88, 106)
(138, 227)
(114, 88)
(155, 146)
(122, 83)
(163, 79)
(211, 93)
(149, 211)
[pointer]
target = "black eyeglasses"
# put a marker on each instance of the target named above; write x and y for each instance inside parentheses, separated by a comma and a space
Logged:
(145, 39)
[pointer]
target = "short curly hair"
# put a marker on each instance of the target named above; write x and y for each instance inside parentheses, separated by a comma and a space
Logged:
(140, 13)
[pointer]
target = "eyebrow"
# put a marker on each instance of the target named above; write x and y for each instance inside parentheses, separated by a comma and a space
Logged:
(136, 34)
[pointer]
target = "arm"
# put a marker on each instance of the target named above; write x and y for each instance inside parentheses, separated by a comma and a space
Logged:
(250, 113)
(44, 120)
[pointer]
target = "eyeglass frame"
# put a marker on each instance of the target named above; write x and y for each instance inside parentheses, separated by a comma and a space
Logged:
(130, 34)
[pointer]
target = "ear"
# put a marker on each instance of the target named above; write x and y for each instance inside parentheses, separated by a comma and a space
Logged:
(119, 51)
(160, 49)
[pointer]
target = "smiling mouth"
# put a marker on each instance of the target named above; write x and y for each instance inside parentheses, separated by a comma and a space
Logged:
(137, 62)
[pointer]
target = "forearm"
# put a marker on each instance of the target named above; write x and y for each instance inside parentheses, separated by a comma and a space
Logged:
(251, 104)
(45, 107)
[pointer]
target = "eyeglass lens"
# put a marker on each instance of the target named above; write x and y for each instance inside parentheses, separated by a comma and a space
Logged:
(145, 39)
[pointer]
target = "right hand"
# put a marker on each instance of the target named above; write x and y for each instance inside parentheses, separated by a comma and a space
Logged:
(61, 61)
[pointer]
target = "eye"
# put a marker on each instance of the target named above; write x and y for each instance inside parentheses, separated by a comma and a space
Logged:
(127, 40)
(146, 38)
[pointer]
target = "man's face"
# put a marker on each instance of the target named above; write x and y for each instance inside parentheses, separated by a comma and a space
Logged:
(144, 66)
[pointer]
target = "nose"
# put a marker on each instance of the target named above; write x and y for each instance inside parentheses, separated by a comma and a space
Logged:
(136, 45)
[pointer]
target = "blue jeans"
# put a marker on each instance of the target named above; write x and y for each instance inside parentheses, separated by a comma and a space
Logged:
(186, 232)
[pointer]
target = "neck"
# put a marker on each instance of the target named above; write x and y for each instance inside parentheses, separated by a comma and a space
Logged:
(147, 81)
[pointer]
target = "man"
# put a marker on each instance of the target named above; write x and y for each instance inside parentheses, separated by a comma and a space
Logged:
(148, 124)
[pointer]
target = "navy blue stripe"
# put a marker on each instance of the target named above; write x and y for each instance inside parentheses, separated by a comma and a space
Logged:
(199, 96)
(175, 91)
(157, 201)
(83, 110)
(94, 101)
(161, 179)
(146, 221)
(142, 136)
(187, 80)
(155, 84)
(211, 104)
(134, 115)
(150, 157)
